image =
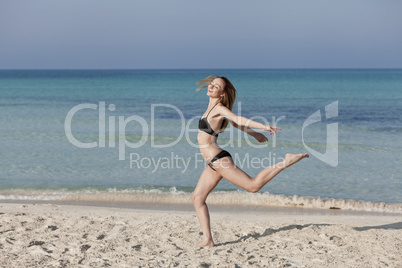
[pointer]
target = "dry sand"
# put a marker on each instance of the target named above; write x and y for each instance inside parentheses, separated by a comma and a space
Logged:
(82, 236)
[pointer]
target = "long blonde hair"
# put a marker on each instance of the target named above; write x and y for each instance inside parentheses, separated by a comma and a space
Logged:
(230, 93)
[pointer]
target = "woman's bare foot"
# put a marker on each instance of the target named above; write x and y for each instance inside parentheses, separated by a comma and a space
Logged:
(203, 243)
(291, 159)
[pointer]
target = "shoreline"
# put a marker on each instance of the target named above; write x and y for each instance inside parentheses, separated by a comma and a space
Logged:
(178, 199)
(213, 208)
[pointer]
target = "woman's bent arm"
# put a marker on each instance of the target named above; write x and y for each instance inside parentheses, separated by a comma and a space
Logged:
(258, 136)
(244, 129)
(245, 122)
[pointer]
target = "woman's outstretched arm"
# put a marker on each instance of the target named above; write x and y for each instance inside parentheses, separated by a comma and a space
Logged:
(241, 121)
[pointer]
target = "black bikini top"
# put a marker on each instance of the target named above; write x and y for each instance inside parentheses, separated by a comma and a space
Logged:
(204, 125)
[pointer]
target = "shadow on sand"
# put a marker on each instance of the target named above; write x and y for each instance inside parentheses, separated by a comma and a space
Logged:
(270, 231)
(395, 226)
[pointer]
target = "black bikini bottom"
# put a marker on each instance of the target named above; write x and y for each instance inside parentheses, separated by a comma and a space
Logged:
(223, 153)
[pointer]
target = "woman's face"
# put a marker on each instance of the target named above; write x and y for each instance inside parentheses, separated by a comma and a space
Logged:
(215, 89)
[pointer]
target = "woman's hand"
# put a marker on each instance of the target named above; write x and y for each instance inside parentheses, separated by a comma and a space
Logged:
(271, 129)
(260, 137)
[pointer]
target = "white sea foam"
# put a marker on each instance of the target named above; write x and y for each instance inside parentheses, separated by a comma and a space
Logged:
(174, 196)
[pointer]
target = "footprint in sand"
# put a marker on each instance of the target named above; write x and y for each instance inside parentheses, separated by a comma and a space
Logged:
(84, 248)
(137, 247)
(53, 227)
(100, 237)
(36, 243)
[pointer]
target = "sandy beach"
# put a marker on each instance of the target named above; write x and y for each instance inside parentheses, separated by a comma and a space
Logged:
(50, 235)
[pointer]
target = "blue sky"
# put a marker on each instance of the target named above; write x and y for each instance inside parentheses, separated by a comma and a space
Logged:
(159, 34)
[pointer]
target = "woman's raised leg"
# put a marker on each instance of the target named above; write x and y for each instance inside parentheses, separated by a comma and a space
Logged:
(207, 182)
(227, 169)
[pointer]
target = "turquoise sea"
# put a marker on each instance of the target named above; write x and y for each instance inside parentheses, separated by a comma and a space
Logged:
(141, 126)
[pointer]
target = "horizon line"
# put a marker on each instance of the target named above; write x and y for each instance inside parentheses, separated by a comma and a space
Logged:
(167, 69)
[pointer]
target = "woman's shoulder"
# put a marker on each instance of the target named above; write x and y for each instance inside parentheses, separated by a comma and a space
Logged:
(221, 105)
(223, 110)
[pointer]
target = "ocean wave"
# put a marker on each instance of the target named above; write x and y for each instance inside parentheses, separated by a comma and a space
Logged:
(171, 195)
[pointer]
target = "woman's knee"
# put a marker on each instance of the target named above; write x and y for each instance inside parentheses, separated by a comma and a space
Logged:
(254, 187)
(198, 199)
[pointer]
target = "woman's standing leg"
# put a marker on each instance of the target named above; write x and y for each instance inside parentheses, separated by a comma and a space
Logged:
(207, 182)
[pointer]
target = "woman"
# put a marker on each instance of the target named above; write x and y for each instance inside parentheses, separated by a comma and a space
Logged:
(222, 95)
